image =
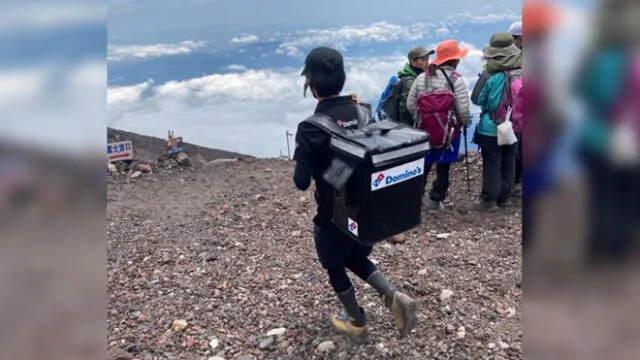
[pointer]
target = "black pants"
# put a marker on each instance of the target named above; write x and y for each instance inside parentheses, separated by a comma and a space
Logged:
(518, 179)
(614, 209)
(337, 252)
(498, 168)
(440, 186)
(359, 265)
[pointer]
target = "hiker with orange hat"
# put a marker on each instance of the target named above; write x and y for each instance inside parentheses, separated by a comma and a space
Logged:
(439, 103)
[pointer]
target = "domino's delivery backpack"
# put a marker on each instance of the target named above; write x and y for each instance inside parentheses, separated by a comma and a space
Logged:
(376, 174)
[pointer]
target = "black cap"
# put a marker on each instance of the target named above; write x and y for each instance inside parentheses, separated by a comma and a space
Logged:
(323, 60)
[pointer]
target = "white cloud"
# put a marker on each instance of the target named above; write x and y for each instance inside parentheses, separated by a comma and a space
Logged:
(21, 85)
(121, 53)
(127, 94)
(382, 32)
(250, 85)
(246, 111)
(55, 106)
(245, 39)
(443, 30)
(489, 18)
(345, 36)
(236, 67)
(48, 15)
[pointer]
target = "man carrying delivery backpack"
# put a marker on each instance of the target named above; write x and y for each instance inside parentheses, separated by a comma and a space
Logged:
(325, 77)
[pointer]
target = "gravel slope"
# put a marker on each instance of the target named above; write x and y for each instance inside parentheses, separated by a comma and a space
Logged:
(228, 248)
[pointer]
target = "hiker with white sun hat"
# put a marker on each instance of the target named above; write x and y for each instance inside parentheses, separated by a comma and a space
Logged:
(516, 31)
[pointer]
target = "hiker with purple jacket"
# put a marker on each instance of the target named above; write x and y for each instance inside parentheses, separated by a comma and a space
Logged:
(439, 103)
(503, 65)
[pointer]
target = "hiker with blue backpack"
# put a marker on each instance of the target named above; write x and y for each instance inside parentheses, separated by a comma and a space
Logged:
(393, 101)
(498, 92)
(439, 104)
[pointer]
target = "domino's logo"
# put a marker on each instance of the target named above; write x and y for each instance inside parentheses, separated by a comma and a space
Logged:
(347, 124)
(378, 180)
(397, 175)
(352, 226)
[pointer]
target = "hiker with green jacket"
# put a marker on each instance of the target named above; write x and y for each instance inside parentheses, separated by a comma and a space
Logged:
(418, 61)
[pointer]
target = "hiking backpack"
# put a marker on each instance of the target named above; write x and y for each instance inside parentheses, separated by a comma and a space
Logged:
(511, 99)
(436, 113)
(389, 104)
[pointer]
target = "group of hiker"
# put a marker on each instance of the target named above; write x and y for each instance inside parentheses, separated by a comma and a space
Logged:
(429, 94)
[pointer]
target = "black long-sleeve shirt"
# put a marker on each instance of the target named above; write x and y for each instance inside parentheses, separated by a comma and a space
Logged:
(313, 155)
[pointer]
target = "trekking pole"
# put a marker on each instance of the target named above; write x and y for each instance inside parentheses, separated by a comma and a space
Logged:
(466, 156)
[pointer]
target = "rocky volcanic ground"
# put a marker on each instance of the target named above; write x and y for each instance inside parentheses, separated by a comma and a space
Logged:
(217, 262)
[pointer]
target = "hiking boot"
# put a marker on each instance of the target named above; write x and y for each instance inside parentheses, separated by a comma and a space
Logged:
(348, 326)
(517, 191)
(403, 309)
(487, 206)
(505, 204)
(434, 207)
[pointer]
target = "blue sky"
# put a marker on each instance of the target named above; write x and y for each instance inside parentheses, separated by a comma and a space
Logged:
(147, 20)
(225, 74)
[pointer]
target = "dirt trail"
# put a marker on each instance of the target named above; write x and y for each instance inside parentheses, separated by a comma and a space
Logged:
(228, 248)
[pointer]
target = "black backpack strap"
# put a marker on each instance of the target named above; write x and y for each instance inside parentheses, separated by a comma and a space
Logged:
(453, 89)
(328, 124)
(396, 93)
(324, 122)
(507, 86)
(364, 118)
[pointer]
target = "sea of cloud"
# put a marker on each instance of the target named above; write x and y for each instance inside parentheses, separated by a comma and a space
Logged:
(250, 110)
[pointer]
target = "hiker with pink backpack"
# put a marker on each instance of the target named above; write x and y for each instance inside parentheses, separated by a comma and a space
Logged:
(439, 103)
(516, 32)
(498, 92)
